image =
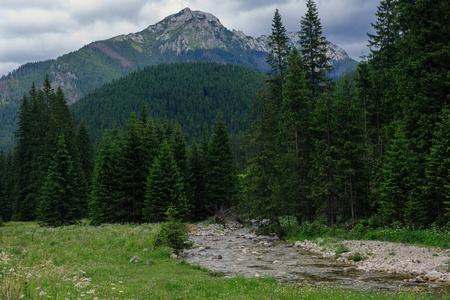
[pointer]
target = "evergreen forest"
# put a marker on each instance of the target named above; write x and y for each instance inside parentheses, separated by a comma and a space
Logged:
(372, 147)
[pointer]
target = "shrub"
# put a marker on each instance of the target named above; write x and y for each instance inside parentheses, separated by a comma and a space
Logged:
(356, 257)
(173, 233)
(340, 249)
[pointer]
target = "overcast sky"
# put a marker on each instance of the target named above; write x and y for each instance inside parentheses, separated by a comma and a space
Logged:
(35, 30)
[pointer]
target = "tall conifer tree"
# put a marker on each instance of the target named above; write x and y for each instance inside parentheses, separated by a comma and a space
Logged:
(221, 172)
(314, 49)
(58, 203)
(165, 187)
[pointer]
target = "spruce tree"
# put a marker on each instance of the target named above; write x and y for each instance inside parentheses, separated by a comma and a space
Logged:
(86, 152)
(135, 170)
(278, 55)
(399, 196)
(323, 185)
(265, 142)
(105, 201)
(58, 202)
(351, 170)
(314, 49)
(437, 187)
(165, 188)
(197, 182)
(221, 171)
(296, 136)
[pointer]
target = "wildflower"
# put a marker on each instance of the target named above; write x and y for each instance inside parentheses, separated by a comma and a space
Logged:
(28, 275)
(42, 293)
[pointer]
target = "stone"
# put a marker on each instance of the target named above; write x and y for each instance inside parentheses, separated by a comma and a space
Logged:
(277, 262)
(257, 275)
(135, 259)
(218, 256)
(298, 244)
(433, 275)
(201, 249)
(148, 262)
(145, 250)
(173, 256)
(443, 267)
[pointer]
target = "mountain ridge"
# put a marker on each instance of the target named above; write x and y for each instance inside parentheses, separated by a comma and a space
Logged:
(184, 36)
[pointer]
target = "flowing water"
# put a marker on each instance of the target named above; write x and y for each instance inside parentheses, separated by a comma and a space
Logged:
(239, 253)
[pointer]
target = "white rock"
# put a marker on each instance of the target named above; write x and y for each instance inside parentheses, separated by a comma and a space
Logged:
(433, 275)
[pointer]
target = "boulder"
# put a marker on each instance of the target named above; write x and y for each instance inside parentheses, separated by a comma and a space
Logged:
(433, 275)
(442, 267)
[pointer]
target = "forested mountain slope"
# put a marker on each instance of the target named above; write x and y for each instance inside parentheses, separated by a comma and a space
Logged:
(190, 94)
(185, 36)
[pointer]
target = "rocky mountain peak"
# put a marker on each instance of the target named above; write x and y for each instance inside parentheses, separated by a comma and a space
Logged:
(189, 30)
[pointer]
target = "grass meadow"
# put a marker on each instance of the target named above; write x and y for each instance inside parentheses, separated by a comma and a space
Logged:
(86, 262)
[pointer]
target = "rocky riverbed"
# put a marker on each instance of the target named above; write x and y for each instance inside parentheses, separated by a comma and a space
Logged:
(236, 251)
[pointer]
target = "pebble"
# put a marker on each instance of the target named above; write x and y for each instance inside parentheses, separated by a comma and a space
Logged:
(135, 259)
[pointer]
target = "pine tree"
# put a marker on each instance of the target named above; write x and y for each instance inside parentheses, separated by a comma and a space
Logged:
(399, 194)
(323, 185)
(314, 49)
(296, 135)
(197, 182)
(422, 77)
(105, 201)
(135, 170)
(221, 172)
(351, 170)
(6, 182)
(58, 202)
(266, 144)
(86, 152)
(437, 187)
(165, 187)
(30, 155)
(278, 55)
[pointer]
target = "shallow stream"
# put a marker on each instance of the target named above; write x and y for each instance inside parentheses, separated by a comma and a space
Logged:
(240, 253)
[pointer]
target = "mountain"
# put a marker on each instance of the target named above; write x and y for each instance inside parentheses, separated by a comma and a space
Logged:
(185, 36)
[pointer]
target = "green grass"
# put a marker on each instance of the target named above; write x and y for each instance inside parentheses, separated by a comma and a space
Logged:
(84, 262)
(429, 237)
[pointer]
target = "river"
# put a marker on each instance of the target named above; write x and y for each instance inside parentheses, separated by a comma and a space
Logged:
(238, 252)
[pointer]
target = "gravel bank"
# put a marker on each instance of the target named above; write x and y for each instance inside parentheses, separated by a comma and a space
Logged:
(418, 262)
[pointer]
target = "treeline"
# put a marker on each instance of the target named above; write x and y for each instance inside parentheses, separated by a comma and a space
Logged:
(139, 172)
(142, 171)
(373, 146)
(47, 176)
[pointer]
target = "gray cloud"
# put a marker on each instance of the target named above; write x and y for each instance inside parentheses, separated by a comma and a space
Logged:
(34, 30)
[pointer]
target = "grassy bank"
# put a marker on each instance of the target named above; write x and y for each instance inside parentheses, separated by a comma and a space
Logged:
(430, 237)
(84, 262)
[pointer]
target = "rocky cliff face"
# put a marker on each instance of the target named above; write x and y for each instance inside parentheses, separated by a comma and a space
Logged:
(192, 30)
